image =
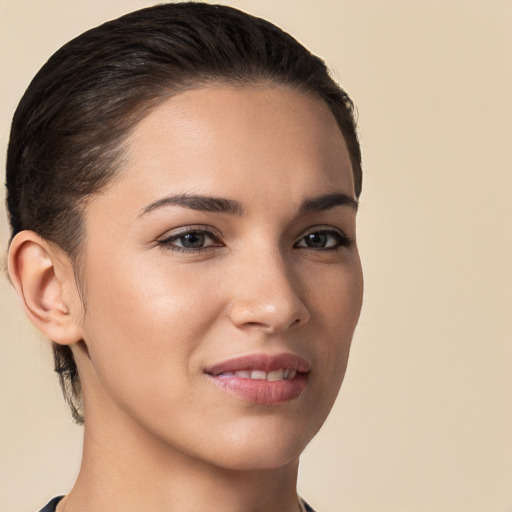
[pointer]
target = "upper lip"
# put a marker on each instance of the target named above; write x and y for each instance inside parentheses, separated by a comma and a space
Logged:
(261, 361)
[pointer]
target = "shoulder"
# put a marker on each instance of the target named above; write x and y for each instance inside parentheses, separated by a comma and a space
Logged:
(50, 507)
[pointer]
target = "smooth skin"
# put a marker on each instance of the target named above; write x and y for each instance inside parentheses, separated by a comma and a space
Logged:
(171, 289)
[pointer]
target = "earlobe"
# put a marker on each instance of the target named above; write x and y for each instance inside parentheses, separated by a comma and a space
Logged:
(39, 274)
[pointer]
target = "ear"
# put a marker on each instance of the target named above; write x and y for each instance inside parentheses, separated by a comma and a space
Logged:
(43, 277)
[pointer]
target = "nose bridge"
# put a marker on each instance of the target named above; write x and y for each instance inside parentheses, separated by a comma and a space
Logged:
(268, 293)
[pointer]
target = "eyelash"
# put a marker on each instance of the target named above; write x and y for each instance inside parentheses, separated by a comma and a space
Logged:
(168, 242)
(340, 240)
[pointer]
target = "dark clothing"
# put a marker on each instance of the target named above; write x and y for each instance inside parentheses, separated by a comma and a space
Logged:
(306, 506)
(51, 506)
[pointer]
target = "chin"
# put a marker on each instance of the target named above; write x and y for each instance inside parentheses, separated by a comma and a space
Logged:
(265, 458)
(261, 447)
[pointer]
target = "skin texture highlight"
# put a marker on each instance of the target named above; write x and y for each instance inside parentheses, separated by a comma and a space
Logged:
(173, 289)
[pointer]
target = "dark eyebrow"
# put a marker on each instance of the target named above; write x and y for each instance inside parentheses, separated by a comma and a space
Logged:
(327, 201)
(197, 202)
(229, 206)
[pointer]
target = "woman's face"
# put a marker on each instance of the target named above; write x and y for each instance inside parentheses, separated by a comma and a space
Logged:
(222, 278)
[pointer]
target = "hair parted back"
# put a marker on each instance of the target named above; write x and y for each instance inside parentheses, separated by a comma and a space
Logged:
(67, 132)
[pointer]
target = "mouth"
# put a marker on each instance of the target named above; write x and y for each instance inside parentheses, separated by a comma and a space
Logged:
(275, 375)
(262, 378)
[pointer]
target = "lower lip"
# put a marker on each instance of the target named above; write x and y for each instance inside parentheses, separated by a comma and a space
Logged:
(262, 391)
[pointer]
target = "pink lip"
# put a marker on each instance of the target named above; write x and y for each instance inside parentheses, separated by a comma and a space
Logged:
(264, 362)
(261, 391)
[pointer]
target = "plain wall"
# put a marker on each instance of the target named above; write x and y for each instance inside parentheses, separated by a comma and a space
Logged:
(424, 419)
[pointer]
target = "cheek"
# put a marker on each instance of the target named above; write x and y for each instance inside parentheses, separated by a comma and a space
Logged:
(143, 328)
(336, 305)
(335, 298)
(154, 301)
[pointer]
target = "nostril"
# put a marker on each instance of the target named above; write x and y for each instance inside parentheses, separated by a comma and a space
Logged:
(270, 326)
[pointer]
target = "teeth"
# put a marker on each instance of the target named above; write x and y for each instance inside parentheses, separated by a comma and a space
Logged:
(275, 375)
(281, 374)
(258, 375)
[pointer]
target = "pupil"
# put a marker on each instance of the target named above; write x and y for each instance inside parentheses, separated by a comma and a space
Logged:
(192, 240)
(316, 240)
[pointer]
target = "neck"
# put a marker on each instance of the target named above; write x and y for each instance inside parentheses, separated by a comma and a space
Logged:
(125, 468)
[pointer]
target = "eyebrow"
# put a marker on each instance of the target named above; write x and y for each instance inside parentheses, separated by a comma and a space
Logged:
(232, 207)
(326, 202)
(197, 202)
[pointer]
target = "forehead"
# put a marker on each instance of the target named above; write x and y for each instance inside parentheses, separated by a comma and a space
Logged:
(236, 142)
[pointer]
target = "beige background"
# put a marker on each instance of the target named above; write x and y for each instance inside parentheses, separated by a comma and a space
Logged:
(424, 420)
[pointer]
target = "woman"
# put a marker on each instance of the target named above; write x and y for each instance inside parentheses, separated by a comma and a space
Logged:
(182, 190)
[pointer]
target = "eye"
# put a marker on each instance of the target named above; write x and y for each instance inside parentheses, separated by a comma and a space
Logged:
(324, 239)
(191, 240)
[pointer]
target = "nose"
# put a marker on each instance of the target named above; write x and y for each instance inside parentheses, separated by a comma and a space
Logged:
(266, 297)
